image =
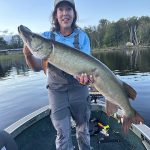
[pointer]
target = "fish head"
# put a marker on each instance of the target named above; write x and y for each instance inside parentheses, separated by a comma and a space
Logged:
(38, 45)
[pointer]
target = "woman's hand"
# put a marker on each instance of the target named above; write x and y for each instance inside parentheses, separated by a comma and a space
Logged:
(26, 51)
(85, 79)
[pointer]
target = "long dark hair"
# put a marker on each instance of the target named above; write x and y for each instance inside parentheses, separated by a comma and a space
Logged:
(55, 24)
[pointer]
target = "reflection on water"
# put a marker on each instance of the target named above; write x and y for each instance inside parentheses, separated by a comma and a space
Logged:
(22, 91)
(11, 63)
(135, 56)
(126, 61)
(122, 62)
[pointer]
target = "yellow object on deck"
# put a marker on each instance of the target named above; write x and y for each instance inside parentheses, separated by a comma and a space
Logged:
(101, 125)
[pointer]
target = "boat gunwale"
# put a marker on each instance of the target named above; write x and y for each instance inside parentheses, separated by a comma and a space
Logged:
(19, 126)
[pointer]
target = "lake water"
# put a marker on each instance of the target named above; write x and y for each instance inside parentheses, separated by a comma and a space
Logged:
(23, 91)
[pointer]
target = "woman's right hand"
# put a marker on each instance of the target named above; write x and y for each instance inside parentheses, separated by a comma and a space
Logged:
(34, 63)
(85, 79)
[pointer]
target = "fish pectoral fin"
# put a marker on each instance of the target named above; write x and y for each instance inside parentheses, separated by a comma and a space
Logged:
(111, 108)
(131, 93)
(45, 65)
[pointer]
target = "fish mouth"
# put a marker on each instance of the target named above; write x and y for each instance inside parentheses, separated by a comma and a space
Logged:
(22, 29)
(25, 33)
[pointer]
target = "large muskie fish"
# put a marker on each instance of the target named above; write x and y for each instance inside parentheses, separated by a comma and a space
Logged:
(75, 62)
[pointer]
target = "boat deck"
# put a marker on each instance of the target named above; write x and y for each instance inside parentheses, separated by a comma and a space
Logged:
(41, 136)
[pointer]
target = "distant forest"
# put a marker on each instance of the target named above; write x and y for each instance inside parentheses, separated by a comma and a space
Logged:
(133, 30)
(16, 42)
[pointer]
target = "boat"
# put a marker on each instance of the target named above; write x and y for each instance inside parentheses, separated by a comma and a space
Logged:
(35, 131)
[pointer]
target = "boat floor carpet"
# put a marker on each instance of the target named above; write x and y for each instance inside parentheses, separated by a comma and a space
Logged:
(41, 136)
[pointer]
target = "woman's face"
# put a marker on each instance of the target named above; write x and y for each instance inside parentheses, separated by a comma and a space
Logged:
(65, 16)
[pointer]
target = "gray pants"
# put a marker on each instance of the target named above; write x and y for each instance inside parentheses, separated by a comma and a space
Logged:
(76, 107)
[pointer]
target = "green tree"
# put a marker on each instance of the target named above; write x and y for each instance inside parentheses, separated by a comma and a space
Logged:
(16, 41)
(144, 30)
(122, 30)
(92, 33)
(101, 29)
(133, 25)
(112, 35)
(3, 43)
(135, 30)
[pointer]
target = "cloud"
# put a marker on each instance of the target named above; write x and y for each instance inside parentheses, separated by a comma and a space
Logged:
(6, 32)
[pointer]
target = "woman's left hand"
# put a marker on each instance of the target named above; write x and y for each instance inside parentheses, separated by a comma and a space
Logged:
(85, 79)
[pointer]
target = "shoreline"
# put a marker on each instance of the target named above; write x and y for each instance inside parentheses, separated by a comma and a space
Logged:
(10, 51)
(120, 48)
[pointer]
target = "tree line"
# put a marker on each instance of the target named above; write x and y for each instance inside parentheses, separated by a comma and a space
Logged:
(16, 42)
(133, 30)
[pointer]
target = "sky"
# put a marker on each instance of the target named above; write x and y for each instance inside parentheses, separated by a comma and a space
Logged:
(36, 14)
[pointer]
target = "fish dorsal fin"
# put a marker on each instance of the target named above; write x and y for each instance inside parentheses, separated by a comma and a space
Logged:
(130, 91)
(45, 65)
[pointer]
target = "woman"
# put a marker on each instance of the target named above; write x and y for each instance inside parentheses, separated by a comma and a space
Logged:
(68, 96)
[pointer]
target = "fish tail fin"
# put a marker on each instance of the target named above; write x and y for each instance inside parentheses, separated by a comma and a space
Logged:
(130, 91)
(45, 65)
(111, 108)
(135, 119)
